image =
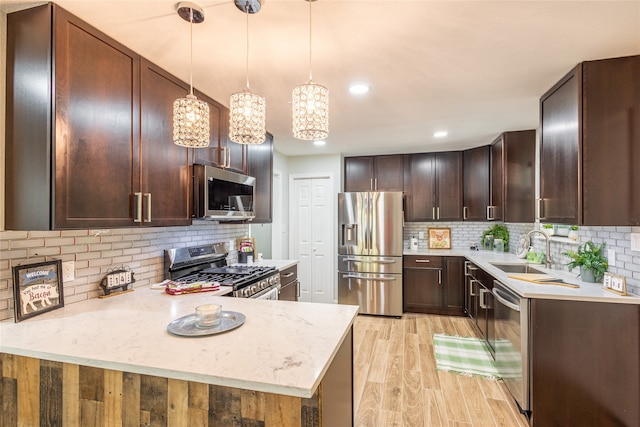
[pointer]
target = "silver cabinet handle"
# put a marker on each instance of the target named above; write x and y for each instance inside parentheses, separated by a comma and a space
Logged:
(224, 157)
(228, 157)
(148, 196)
(287, 275)
(471, 291)
(371, 184)
(438, 213)
(541, 208)
(489, 216)
(376, 278)
(439, 276)
(465, 212)
(138, 204)
(298, 288)
(422, 260)
(433, 213)
(375, 183)
(483, 292)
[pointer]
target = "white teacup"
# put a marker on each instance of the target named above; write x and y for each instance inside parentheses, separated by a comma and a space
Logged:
(208, 315)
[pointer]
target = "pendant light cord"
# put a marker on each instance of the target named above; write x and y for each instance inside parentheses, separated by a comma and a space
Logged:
(310, 44)
(191, 51)
(246, 9)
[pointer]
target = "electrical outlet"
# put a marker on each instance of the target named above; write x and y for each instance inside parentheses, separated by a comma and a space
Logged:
(635, 242)
(68, 271)
(611, 256)
(421, 234)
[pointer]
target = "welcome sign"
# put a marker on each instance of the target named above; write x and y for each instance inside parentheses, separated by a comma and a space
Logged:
(38, 289)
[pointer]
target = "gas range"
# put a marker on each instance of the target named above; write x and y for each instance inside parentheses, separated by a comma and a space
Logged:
(208, 263)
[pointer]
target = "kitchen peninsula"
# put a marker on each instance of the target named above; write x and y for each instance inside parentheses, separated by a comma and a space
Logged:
(112, 360)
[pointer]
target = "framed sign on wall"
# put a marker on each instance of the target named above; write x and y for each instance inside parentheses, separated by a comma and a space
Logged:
(37, 288)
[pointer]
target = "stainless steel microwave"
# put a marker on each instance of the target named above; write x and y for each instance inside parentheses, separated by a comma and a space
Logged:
(222, 195)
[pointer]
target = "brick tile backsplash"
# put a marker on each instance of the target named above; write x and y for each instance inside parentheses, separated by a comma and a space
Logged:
(463, 234)
(96, 251)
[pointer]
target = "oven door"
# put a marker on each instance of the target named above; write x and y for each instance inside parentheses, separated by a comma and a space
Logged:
(269, 293)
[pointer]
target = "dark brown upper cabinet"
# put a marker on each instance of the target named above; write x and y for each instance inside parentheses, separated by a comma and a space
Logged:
(590, 145)
(69, 159)
(433, 186)
(476, 194)
(513, 157)
(260, 166)
(373, 173)
(100, 154)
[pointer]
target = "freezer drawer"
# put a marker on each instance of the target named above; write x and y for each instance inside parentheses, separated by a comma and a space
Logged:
(375, 293)
(370, 264)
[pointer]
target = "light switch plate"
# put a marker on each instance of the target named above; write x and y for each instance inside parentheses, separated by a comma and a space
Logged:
(68, 271)
(635, 242)
(611, 257)
(421, 235)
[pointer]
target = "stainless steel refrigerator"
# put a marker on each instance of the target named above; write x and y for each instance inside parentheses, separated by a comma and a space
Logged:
(370, 251)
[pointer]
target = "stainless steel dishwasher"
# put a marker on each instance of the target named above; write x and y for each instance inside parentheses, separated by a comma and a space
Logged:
(512, 343)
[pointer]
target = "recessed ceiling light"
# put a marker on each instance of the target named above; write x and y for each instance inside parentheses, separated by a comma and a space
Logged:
(319, 142)
(440, 134)
(359, 88)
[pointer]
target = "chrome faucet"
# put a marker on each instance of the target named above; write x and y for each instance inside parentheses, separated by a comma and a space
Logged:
(548, 243)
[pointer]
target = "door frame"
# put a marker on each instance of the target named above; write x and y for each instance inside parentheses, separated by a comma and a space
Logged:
(332, 241)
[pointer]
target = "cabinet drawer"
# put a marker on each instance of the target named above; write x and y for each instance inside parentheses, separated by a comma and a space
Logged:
(289, 275)
(418, 261)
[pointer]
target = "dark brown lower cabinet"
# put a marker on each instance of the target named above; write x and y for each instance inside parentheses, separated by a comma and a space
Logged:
(290, 284)
(433, 285)
(585, 364)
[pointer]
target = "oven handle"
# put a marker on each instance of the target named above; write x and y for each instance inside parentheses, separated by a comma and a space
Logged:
(503, 301)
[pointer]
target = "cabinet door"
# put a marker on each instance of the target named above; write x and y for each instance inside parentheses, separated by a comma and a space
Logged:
(611, 142)
(559, 152)
(164, 166)
(519, 176)
(358, 173)
(454, 286)
(289, 292)
(494, 213)
(388, 173)
(419, 184)
(260, 166)
(476, 183)
(96, 126)
(423, 290)
(449, 186)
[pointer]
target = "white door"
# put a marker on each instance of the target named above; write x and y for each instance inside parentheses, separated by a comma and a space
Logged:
(312, 227)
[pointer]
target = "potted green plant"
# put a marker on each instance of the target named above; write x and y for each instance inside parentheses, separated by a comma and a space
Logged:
(548, 228)
(498, 232)
(573, 232)
(590, 259)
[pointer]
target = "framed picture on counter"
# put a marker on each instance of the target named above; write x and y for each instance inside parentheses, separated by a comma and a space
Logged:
(37, 288)
(439, 238)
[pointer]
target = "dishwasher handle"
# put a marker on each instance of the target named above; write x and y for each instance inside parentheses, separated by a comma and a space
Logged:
(497, 294)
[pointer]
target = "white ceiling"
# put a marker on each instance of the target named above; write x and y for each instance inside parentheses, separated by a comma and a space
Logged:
(473, 68)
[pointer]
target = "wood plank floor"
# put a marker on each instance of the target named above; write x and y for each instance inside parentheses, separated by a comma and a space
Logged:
(396, 382)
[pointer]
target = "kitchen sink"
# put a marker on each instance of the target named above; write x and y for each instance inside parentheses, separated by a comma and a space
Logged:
(517, 268)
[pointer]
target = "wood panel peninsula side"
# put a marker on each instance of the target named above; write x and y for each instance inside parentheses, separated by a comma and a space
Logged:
(112, 362)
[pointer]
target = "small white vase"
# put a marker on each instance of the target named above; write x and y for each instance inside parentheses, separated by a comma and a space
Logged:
(573, 234)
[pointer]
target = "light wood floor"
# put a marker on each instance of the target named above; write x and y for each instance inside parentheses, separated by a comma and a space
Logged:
(396, 382)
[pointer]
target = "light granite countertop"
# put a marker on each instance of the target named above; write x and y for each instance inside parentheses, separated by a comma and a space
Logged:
(586, 292)
(283, 347)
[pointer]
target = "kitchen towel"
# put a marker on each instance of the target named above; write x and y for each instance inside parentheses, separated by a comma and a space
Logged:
(464, 355)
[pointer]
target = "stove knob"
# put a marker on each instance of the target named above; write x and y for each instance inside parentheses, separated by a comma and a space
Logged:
(247, 292)
(254, 288)
(264, 284)
(274, 280)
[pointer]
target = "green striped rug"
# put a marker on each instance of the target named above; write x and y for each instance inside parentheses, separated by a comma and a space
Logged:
(464, 355)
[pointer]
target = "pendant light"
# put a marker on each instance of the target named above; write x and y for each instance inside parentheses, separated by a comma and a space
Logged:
(190, 115)
(247, 114)
(310, 105)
